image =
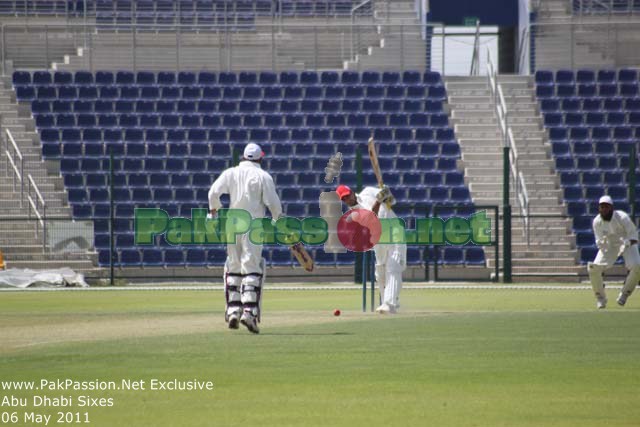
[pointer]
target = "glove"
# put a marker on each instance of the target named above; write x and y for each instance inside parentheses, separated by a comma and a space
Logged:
(209, 216)
(384, 195)
(602, 244)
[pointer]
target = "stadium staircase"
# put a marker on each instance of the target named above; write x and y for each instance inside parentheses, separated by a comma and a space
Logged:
(408, 46)
(552, 248)
(21, 244)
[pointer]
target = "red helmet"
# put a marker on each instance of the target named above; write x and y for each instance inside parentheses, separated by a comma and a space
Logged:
(342, 191)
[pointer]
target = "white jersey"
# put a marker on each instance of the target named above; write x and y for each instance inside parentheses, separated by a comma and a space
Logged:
(367, 198)
(249, 188)
(610, 235)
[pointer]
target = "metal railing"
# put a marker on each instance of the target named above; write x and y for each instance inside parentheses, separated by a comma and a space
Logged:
(355, 30)
(475, 60)
(269, 47)
(521, 193)
(523, 52)
(604, 7)
(16, 161)
(29, 9)
(37, 203)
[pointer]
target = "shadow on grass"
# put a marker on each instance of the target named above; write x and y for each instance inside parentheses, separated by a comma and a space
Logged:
(302, 334)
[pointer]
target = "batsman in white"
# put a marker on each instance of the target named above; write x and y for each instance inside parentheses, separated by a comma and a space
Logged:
(391, 259)
(252, 189)
(615, 235)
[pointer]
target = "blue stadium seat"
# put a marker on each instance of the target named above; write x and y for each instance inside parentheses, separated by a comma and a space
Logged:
(474, 256)
(452, 256)
(130, 258)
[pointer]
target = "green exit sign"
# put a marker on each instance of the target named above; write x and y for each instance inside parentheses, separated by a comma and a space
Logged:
(470, 21)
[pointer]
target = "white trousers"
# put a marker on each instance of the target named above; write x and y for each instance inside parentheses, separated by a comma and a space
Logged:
(606, 259)
(391, 261)
(244, 257)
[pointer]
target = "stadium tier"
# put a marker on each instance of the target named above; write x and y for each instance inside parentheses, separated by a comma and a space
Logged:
(186, 12)
(596, 7)
(171, 134)
(593, 120)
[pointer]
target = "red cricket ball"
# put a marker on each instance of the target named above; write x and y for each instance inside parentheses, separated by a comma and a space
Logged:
(336, 312)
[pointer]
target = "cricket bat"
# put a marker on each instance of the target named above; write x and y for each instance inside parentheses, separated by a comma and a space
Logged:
(373, 157)
(302, 256)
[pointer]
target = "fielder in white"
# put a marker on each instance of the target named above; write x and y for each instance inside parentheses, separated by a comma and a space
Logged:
(252, 189)
(391, 259)
(615, 235)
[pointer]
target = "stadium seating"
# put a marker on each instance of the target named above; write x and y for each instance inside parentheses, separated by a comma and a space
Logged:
(593, 121)
(171, 133)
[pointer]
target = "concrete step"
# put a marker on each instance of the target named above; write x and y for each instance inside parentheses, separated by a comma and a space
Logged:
(555, 195)
(532, 187)
(524, 163)
(533, 262)
(12, 248)
(536, 247)
(476, 113)
(40, 256)
(478, 100)
(471, 106)
(21, 213)
(462, 92)
(76, 265)
(497, 154)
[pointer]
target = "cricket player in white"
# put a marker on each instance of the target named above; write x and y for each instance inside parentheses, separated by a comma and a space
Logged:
(391, 259)
(615, 235)
(252, 189)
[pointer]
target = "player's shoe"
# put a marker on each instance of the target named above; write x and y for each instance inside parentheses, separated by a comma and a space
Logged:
(386, 309)
(601, 303)
(622, 299)
(250, 321)
(234, 322)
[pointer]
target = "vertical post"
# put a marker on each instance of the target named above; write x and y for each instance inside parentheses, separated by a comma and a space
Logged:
(506, 217)
(90, 52)
(111, 218)
(372, 275)
(443, 46)
(388, 11)
(615, 47)
(44, 227)
(497, 251)
(426, 251)
(357, 273)
(236, 157)
(352, 53)
(46, 47)
(273, 48)
(220, 48)
(85, 25)
(177, 48)
(632, 179)
(572, 30)
(358, 44)
(133, 44)
(365, 257)
(315, 48)
(401, 47)
(21, 181)
(4, 71)
(228, 42)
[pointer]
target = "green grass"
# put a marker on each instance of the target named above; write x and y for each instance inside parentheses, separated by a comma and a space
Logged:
(452, 358)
